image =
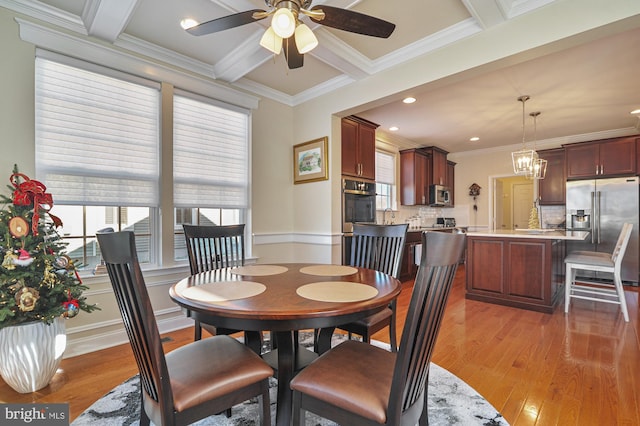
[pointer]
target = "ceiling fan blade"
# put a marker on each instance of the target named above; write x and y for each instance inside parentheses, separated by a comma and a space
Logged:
(347, 20)
(226, 22)
(294, 58)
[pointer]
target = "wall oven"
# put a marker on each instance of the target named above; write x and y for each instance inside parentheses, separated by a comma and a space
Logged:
(358, 205)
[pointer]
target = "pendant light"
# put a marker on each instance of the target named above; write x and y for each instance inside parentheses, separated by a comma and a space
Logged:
(523, 160)
(539, 167)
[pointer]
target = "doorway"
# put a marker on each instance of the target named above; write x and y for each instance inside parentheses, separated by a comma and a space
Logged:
(513, 197)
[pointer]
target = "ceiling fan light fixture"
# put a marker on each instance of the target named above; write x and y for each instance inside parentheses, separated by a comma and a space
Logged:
(306, 41)
(187, 23)
(283, 22)
(271, 41)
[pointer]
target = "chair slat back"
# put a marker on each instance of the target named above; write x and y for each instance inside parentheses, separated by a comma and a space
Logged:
(621, 244)
(440, 256)
(214, 247)
(120, 257)
(378, 247)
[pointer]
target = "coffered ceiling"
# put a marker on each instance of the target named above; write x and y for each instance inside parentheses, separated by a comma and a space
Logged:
(588, 88)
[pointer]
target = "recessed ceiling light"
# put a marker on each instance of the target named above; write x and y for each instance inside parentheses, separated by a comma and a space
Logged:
(188, 23)
(635, 111)
(409, 100)
(474, 139)
(394, 128)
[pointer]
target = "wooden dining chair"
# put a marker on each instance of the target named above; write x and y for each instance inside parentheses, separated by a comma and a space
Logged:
(190, 383)
(214, 247)
(598, 291)
(356, 383)
(378, 247)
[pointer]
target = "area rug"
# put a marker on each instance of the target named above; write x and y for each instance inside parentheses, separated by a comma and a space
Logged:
(451, 402)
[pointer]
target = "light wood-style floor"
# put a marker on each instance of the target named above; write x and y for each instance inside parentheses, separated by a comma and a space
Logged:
(536, 369)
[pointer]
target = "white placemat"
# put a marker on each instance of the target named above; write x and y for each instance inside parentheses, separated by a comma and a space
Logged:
(329, 270)
(223, 291)
(337, 291)
(259, 270)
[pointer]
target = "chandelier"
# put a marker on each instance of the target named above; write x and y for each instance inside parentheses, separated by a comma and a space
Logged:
(539, 165)
(523, 160)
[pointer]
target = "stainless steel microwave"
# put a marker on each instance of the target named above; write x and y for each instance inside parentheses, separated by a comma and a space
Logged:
(439, 196)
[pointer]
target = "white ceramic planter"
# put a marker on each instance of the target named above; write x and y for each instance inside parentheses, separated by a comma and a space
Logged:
(31, 353)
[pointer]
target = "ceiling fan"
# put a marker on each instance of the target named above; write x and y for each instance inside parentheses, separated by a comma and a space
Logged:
(286, 29)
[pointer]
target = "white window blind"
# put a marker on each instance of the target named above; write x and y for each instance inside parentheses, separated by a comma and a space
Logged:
(210, 154)
(385, 170)
(97, 136)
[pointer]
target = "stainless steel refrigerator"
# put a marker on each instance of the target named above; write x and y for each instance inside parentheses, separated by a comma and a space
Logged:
(601, 206)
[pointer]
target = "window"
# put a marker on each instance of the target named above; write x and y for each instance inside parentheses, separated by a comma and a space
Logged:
(385, 180)
(214, 136)
(97, 151)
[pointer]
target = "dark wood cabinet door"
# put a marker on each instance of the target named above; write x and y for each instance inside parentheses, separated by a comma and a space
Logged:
(414, 170)
(349, 147)
(618, 157)
(409, 269)
(604, 158)
(528, 270)
(490, 278)
(582, 160)
(551, 189)
(451, 178)
(358, 148)
(367, 152)
(439, 164)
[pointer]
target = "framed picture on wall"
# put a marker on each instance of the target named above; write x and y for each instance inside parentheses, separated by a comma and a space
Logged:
(310, 161)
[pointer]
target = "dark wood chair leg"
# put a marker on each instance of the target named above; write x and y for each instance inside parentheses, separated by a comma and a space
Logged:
(266, 408)
(197, 332)
(392, 331)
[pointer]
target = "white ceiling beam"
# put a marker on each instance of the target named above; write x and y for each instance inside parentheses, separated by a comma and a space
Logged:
(106, 19)
(487, 12)
(243, 59)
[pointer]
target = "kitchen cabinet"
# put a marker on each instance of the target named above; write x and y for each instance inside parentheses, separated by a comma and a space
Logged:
(519, 272)
(409, 269)
(451, 175)
(551, 189)
(415, 170)
(359, 148)
(421, 168)
(438, 165)
(604, 158)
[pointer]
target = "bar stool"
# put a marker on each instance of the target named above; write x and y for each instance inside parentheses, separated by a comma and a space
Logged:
(600, 262)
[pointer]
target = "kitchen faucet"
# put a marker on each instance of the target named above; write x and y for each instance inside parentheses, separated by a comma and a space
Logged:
(384, 216)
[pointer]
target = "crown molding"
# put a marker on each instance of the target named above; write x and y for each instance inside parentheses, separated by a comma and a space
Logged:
(554, 142)
(46, 13)
(102, 54)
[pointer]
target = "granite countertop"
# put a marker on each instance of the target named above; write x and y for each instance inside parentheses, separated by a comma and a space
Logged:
(545, 234)
(435, 228)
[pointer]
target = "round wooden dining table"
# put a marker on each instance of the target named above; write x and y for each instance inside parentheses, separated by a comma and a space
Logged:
(284, 298)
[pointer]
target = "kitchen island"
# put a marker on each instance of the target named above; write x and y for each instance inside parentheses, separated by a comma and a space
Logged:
(521, 268)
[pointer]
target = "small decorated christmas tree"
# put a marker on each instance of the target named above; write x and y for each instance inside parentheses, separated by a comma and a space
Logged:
(38, 281)
(534, 220)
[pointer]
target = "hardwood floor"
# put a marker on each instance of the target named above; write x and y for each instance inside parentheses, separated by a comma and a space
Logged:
(536, 369)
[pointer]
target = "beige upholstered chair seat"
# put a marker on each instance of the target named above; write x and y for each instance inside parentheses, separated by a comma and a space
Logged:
(211, 369)
(599, 290)
(350, 385)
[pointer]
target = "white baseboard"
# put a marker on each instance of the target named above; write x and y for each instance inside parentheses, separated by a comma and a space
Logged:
(106, 340)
